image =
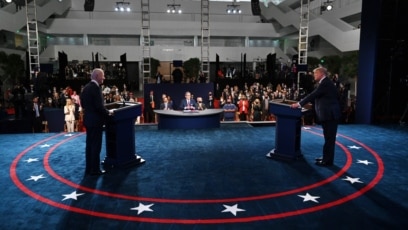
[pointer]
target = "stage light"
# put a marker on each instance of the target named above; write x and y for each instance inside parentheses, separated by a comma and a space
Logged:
(233, 9)
(123, 6)
(174, 8)
(326, 6)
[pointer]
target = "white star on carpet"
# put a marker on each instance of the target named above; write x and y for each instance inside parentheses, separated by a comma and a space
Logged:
(69, 135)
(31, 160)
(353, 180)
(354, 147)
(143, 208)
(44, 145)
(309, 197)
(366, 162)
(232, 209)
(72, 195)
(35, 178)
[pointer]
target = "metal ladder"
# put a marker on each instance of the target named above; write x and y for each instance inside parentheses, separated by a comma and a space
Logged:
(205, 38)
(303, 35)
(145, 42)
(32, 37)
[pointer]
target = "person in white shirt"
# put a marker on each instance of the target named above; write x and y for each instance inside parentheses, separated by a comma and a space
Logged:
(69, 111)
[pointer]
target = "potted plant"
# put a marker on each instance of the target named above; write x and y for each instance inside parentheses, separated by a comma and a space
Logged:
(12, 69)
(191, 68)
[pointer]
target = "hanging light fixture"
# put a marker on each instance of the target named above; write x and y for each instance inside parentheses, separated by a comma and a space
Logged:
(122, 7)
(174, 8)
(233, 9)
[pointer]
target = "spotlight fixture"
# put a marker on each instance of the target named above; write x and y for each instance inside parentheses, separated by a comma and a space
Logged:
(122, 6)
(326, 6)
(174, 8)
(233, 9)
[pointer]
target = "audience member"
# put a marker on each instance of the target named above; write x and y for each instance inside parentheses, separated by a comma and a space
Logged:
(201, 77)
(165, 105)
(37, 115)
(159, 78)
(256, 110)
(243, 106)
(210, 101)
(75, 98)
(69, 111)
(18, 101)
(229, 110)
(200, 104)
(150, 105)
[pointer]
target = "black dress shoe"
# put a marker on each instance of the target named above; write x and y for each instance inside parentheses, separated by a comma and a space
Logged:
(323, 163)
(97, 173)
(319, 159)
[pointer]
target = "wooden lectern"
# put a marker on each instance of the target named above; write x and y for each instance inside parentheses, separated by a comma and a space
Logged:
(120, 135)
(288, 133)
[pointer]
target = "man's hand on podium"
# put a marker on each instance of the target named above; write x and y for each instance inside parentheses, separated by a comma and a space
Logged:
(295, 105)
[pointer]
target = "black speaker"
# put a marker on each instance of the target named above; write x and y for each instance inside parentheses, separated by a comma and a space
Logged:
(217, 63)
(89, 5)
(256, 9)
(123, 61)
(270, 63)
(63, 62)
(97, 65)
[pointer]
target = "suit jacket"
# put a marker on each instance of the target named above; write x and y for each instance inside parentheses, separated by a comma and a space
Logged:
(40, 110)
(93, 106)
(183, 103)
(325, 100)
(169, 105)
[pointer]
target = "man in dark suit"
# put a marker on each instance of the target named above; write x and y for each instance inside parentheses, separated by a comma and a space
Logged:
(188, 103)
(327, 109)
(37, 115)
(95, 114)
(159, 77)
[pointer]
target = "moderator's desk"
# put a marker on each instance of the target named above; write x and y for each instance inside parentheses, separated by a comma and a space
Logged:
(174, 119)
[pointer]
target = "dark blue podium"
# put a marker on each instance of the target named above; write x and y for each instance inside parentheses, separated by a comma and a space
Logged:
(287, 133)
(55, 118)
(120, 135)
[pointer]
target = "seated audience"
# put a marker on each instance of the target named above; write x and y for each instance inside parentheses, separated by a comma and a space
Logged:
(200, 104)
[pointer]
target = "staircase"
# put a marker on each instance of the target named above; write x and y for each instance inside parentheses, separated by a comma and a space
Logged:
(13, 21)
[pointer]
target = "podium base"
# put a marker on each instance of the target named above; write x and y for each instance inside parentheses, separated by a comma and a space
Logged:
(109, 163)
(280, 156)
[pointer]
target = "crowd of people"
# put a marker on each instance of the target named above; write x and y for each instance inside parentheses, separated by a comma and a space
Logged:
(249, 102)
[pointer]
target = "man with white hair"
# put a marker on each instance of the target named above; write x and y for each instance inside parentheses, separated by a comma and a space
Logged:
(95, 114)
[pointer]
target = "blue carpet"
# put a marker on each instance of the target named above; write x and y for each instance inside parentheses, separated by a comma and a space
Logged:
(208, 179)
